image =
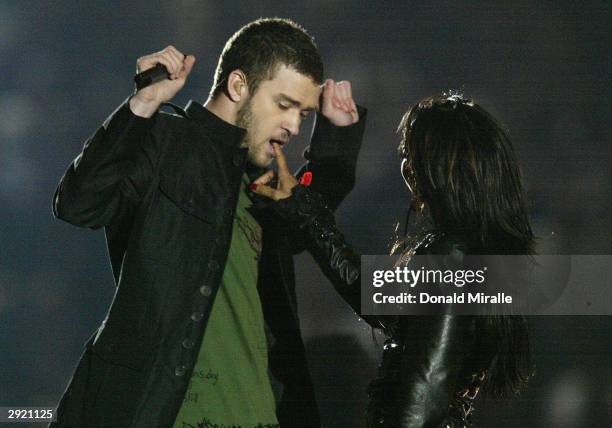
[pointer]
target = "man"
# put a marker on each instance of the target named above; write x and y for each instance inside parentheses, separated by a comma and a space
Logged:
(203, 328)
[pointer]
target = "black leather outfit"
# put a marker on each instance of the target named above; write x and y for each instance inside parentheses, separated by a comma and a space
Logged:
(431, 371)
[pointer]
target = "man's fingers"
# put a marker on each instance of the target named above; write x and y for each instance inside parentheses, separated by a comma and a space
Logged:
(281, 161)
(343, 95)
(176, 65)
(328, 94)
(183, 63)
(176, 53)
(176, 59)
(338, 103)
(162, 59)
(188, 66)
(347, 86)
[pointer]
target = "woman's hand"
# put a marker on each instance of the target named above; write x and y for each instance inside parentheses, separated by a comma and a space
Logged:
(286, 180)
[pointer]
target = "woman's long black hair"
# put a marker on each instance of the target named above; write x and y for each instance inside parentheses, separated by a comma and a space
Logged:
(459, 162)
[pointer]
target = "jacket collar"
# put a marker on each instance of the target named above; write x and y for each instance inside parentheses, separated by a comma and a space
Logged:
(220, 130)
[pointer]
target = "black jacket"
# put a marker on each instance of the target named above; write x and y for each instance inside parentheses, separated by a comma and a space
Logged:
(431, 370)
(165, 190)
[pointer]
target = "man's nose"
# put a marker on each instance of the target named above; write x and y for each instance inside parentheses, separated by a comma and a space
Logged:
(292, 125)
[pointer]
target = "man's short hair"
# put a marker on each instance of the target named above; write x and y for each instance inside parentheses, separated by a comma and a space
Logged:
(262, 45)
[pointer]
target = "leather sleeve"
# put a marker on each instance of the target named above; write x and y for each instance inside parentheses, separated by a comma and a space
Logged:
(112, 172)
(307, 210)
(430, 368)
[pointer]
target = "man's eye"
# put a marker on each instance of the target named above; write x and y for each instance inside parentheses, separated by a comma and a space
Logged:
(304, 114)
(284, 106)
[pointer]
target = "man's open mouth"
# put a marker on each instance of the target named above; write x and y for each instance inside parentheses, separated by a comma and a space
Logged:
(271, 147)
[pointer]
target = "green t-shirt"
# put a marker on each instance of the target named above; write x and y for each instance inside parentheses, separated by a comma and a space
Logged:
(230, 386)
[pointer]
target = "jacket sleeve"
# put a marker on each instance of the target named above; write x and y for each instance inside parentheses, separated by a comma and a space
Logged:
(430, 367)
(111, 174)
(331, 158)
(306, 210)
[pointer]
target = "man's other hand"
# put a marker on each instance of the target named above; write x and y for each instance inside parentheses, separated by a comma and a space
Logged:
(337, 103)
(147, 100)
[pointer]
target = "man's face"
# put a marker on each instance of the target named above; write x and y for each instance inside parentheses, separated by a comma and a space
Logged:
(275, 112)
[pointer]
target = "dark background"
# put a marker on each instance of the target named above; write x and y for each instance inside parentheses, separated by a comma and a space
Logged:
(542, 68)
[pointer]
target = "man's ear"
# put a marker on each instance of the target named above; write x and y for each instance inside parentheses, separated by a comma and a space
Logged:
(237, 88)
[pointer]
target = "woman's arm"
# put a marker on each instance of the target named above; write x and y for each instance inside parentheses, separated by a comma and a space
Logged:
(305, 209)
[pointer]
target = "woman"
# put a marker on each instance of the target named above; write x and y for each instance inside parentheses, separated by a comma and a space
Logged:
(461, 169)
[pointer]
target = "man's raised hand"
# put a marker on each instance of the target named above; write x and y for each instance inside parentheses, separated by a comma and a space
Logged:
(147, 100)
(337, 103)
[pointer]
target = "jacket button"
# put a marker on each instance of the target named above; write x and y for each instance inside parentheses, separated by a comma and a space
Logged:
(213, 265)
(197, 316)
(188, 343)
(180, 370)
(205, 290)
(228, 212)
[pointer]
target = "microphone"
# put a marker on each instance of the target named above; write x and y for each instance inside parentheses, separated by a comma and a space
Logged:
(150, 76)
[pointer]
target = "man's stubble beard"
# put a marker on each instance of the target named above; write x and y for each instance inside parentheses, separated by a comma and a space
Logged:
(244, 119)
